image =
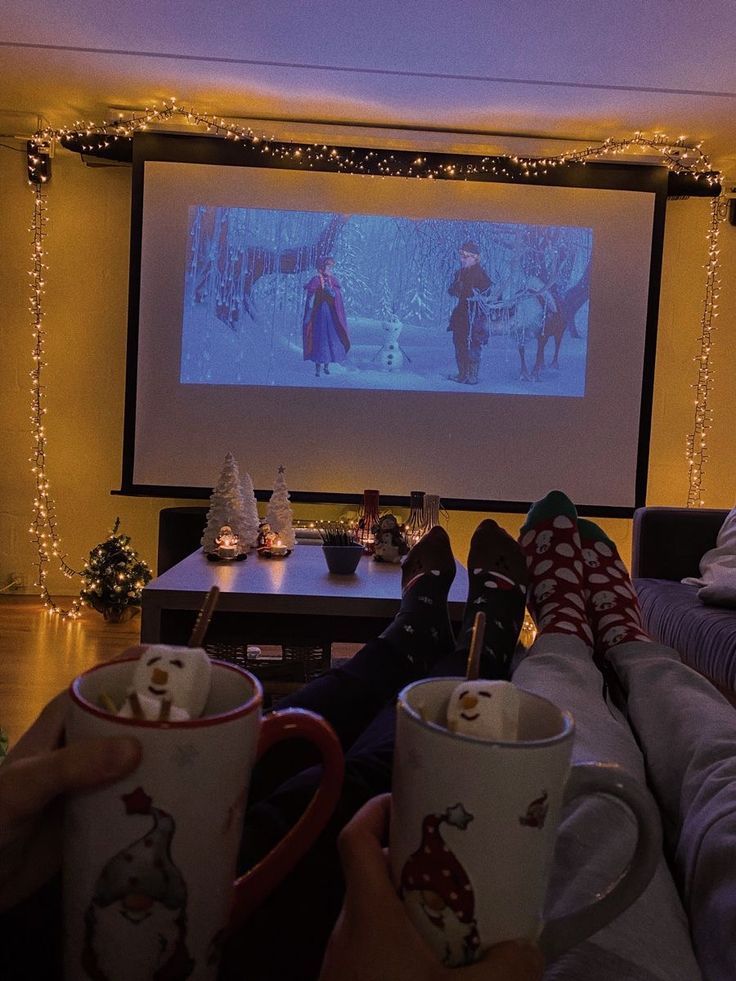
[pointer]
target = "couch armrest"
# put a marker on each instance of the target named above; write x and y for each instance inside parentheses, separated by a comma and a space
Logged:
(179, 534)
(668, 543)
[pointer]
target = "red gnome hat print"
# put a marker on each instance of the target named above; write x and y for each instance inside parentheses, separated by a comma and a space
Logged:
(438, 893)
(136, 923)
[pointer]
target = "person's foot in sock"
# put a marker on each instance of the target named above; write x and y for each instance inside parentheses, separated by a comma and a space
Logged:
(497, 579)
(421, 630)
(613, 607)
(551, 545)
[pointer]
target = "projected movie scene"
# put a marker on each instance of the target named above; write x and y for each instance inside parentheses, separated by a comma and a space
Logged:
(317, 299)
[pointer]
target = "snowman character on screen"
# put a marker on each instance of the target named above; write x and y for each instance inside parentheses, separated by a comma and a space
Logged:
(484, 709)
(136, 922)
(437, 892)
(391, 356)
(169, 684)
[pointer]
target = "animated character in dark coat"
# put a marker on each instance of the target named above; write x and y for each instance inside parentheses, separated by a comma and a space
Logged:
(468, 322)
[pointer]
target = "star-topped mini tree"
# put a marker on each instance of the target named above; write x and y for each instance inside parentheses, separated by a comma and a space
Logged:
(114, 577)
(232, 507)
(279, 514)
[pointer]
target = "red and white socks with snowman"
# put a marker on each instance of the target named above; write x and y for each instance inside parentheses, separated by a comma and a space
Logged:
(578, 585)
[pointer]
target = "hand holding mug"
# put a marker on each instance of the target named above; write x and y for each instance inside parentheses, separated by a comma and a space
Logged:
(374, 938)
(474, 823)
(149, 860)
(34, 776)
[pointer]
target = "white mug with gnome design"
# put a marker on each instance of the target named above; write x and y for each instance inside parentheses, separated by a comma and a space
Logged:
(474, 818)
(149, 861)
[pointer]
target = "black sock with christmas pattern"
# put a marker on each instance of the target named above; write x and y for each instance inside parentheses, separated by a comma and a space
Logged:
(421, 630)
(612, 603)
(497, 579)
(551, 545)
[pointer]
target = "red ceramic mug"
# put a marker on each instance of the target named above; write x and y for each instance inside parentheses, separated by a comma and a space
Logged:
(149, 861)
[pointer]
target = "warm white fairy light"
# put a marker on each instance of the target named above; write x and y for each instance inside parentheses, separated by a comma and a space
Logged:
(676, 155)
(696, 443)
(43, 530)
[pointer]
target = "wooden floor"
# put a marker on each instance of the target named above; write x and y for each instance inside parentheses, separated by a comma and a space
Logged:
(40, 654)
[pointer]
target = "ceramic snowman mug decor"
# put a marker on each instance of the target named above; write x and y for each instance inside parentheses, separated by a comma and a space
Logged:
(474, 823)
(149, 861)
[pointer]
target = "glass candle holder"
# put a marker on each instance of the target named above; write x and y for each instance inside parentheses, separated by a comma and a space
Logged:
(415, 525)
(431, 511)
(367, 520)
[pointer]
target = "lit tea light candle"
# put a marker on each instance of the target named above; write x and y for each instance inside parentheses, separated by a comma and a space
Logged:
(278, 548)
(227, 543)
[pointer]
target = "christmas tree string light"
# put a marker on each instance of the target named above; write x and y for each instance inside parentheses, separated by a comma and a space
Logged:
(114, 577)
(696, 442)
(43, 530)
(677, 155)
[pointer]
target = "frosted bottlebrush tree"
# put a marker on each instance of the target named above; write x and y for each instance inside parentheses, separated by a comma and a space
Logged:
(231, 504)
(279, 514)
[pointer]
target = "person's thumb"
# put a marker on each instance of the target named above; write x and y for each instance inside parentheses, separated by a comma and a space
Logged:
(28, 785)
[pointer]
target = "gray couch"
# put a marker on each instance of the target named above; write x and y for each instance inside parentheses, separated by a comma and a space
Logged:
(668, 544)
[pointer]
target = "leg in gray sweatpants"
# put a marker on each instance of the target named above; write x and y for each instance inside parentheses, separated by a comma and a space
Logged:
(650, 940)
(687, 732)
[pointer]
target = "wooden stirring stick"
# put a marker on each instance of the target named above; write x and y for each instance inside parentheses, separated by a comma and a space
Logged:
(476, 642)
(204, 617)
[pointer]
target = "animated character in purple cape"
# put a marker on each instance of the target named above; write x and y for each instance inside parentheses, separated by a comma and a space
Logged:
(324, 330)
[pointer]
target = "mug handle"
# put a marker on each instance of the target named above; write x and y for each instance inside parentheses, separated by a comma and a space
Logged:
(564, 932)
(257, 883)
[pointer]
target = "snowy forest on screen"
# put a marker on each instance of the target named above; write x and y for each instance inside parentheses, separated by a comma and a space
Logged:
(245, 298)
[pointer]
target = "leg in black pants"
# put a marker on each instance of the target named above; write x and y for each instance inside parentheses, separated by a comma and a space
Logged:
(359, 701)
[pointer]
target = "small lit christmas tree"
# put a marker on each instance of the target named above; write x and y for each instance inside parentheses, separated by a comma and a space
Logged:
(232, 506)
(279, 514)
(114, 577)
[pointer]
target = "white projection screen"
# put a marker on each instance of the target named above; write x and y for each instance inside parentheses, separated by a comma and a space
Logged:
(233, 311)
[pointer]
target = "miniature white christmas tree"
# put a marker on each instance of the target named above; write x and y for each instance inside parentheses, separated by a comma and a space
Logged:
(231, 506)
(279, 514)
(250, 511)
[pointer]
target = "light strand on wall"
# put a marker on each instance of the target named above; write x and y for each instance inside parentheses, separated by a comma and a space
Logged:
(43, 530)
(676, 155)
(696, 451)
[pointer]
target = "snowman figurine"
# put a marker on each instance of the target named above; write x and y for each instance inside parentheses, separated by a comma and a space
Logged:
(169, 684)
(389, 544)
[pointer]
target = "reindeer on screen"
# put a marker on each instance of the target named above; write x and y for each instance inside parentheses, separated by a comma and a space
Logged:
(536, 316)
(532, 304)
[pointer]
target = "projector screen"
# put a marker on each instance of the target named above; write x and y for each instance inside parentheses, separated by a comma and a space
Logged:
(485, 341)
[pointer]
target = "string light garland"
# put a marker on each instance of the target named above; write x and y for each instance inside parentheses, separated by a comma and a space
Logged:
(43, 530)
(676, 155)
(696, 442)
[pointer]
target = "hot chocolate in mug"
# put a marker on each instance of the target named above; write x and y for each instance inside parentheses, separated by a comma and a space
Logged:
(474, 823)
(149, 861)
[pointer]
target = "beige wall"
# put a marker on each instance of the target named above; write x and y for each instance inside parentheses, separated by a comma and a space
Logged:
(86, 309)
